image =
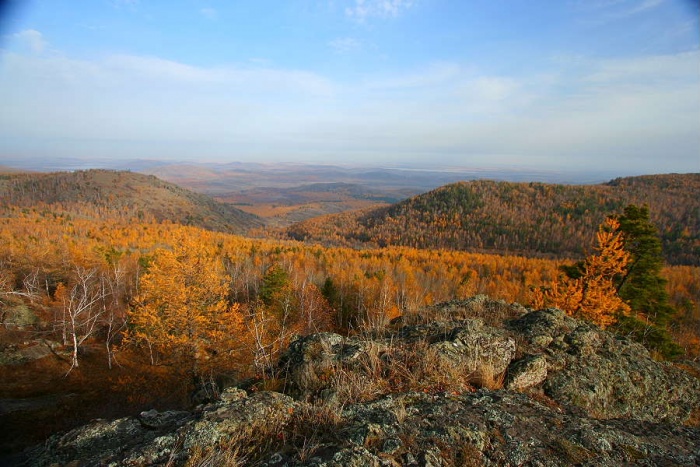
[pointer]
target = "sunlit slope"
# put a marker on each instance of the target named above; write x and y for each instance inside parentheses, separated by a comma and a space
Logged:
(523, 218)
(119, 194)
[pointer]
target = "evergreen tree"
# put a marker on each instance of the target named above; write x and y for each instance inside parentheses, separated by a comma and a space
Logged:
(642, 287)
(274, 282)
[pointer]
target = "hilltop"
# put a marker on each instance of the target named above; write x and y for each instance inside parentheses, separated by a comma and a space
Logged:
(535, 219)
(125, 195)
(472, 382)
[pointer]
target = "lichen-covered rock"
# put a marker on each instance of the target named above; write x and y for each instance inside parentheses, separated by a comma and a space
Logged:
(527, 372)
(310, 363)
(504, 428)
(155, 438)
(574, 395)
(609, 376)
(14, 354)
(356, 456)
(95, 443)
(310, 360)
(479, 346)
(155, 420)
(263, 412)
(489, 428)
(544, 327)
(491, 312)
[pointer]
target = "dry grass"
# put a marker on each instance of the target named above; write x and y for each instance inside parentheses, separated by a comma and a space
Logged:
(310, 424)
(416, 366)
(694, 418)
(300, 438)
(229, 455)
(488, 378)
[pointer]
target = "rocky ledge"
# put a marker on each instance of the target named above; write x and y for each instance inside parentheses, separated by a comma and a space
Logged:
(480, 382)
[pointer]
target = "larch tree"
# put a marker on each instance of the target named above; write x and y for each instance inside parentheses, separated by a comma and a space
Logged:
(593, 294)
(182, 307)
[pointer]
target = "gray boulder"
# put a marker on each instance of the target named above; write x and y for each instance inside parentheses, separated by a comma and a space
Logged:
(155, 438)
(608, 376)
(527, 372)
(478, 346)
(508, 428)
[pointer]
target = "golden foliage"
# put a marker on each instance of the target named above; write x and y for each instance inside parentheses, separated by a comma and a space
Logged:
(526, 218)
(593, 296)
(39, 249)
(182, 307)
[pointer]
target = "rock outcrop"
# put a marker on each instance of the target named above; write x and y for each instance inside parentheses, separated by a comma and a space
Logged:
(560, 392)
(155, 438)
(608, 376)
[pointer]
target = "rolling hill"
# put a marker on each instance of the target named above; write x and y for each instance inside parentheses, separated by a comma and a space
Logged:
(121, 194)
(534, 219)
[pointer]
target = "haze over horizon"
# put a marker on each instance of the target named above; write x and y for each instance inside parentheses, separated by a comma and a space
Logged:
(581, 85)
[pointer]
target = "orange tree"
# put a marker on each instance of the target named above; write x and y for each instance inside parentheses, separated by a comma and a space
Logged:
(182, 311)
(592, 295)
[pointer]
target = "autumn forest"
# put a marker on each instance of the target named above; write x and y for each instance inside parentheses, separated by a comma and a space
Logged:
(148, 300)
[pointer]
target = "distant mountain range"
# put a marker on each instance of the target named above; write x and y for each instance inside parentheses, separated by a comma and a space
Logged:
(224, 177)
(534, 219)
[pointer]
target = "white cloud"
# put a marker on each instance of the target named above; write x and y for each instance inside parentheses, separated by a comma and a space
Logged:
(149, 100)
(158, 68)
(650, 69)
(344, 45)
(434, 75)
(612, 10)
(642, 6)
(606, 111)
(609, 113)
(209, 13)
(32, 39)
(490, 95)
(260, 76)
(361, 10)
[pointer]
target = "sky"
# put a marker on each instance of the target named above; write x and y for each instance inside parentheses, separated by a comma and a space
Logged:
(576, 84)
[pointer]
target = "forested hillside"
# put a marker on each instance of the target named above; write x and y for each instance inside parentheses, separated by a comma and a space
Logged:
(98, 298)
(95, 194)
(532, 219)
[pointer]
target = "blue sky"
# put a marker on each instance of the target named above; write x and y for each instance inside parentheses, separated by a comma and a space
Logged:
(577, 84)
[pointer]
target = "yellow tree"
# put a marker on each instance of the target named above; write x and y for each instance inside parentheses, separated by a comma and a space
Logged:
(182, 307)
(593, 294)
